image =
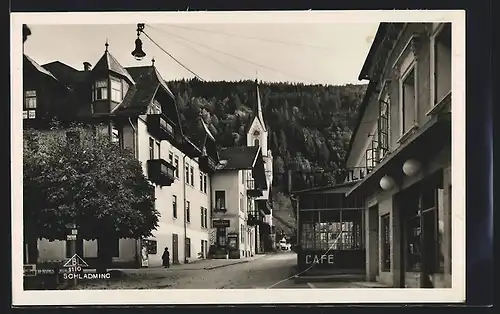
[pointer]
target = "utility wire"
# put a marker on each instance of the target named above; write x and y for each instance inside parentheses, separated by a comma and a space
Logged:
(249, 37)
(185, 67)
(227, 54)
(209, 57)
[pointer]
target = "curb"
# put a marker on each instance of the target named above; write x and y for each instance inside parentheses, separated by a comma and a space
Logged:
(225, 265)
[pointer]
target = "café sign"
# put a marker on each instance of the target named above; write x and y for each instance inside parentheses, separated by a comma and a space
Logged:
(319, 259)
(220, 223)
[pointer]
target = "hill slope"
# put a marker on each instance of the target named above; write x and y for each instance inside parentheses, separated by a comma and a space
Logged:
(309, 127)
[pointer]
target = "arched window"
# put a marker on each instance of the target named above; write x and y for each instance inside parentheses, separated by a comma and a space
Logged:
(256, 142)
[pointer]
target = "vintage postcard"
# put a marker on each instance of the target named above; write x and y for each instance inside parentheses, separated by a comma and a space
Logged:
(203, 157)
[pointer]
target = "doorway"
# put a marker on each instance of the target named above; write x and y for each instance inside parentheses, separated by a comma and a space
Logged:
(175, 248)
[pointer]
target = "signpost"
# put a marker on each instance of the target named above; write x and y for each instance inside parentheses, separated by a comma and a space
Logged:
(72, 236)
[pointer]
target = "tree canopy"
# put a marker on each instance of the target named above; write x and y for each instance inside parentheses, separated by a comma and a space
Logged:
(84, 179)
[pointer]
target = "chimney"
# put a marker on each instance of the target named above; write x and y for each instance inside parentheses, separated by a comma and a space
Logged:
(87, 66)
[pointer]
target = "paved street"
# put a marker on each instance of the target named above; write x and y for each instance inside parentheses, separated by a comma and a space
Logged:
(260, 272)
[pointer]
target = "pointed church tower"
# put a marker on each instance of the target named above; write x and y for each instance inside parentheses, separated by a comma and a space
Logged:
(257, 133)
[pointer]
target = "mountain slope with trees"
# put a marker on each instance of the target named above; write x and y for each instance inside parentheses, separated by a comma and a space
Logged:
(309, 125)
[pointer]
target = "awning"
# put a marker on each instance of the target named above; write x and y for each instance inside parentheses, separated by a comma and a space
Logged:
(423, 144)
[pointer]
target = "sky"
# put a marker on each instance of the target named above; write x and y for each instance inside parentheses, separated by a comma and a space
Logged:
(309, 53)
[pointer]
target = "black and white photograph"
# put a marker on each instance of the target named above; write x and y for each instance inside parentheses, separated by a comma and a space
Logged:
(205, 157)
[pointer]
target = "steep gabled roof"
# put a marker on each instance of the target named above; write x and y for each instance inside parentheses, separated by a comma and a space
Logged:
(109, 63)
(238, 158)
(39, 68)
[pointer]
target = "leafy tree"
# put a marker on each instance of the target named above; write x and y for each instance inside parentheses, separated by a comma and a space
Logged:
(88, 180)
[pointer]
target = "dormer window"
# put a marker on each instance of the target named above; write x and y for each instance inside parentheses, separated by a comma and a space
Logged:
(100, 90)
(116, 90)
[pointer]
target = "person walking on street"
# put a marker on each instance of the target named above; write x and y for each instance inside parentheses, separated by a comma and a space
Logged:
(166, 258)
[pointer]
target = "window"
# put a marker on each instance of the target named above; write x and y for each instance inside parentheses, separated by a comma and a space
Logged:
(383, 127)
(242, 176)
(205, 179)
(116, 90)
(151, 148)
(408, 100)
(188, 211)
(174, 206)
(385, 222)
(220, 199)
(242, 233)
(202, 179)
(334, 229)
(171, 158)
(422, 240)
(202, 214)
(186, 175)
(176, 164)
(441, 63)
(191, 171)
(30, 99)
(100, 91)
(202, 251)
(188, 247)
(242, 202)
(256, 142)
(158, 146)
(116, 135)
(206, 217)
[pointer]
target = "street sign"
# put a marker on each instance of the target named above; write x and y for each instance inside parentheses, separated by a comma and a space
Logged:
(220, 223)
(71, 237)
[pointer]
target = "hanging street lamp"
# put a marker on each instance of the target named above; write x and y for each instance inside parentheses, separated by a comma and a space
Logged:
(138, 53)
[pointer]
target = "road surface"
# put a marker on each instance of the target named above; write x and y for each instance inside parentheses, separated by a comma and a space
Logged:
(269, 270)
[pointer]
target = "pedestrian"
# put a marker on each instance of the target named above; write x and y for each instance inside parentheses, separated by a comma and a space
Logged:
(166, 258)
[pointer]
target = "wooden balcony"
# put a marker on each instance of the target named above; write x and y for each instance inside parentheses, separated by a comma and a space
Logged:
(219, 209)
(252, 189)
(254, 219)
(207, 164)
(161, 172)
(160, 127)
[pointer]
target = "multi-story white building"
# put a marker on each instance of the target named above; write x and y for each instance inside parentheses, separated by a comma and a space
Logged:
(136, 109)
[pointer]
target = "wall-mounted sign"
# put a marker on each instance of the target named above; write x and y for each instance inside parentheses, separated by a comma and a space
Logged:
(25, 114)
(355, 173)
(319, 259)
(151, 246)
(71, 237)
(220, 223)
(31, 114)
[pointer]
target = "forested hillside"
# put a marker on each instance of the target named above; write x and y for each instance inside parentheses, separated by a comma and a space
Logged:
(309, 125)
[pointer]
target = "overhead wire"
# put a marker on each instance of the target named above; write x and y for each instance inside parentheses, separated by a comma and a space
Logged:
(227, 54)
(249, 37)
(171, 56)
(211, 58)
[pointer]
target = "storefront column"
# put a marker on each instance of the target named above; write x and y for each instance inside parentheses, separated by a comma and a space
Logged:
(396, 245)
(446, 216)
(372, 244)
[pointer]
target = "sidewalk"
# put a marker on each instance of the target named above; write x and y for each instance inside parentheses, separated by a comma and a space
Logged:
(207, 264)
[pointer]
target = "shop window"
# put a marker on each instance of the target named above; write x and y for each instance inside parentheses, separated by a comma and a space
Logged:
(385, 222)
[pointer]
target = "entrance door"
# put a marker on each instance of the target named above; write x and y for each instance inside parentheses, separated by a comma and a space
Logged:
(175, 249)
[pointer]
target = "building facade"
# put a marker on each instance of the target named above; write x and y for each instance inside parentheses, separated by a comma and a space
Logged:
(403, 140)
(136, 108)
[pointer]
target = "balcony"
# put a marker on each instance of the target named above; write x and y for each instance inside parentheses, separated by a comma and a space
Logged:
(252, 189)
(207, 164)
(219, 209)
(160, 127)
(254, 219)
(264, 206)
(161, 172)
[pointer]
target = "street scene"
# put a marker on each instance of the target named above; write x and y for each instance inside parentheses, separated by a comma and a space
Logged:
(172, 156)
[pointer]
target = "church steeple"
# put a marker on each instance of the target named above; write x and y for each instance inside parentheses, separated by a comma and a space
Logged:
(258, 108)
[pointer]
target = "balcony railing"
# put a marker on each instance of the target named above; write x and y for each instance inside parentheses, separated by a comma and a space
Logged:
(252, 189)
(161, 172)
(160, 126)
(254, 218)
(207, 164)
(221, 208)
